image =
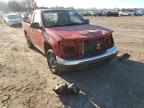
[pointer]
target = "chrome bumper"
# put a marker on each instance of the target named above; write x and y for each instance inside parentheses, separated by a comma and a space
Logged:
(110, 52)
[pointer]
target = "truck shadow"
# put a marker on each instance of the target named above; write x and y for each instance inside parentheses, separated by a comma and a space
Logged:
(38, 51)
(112, 85)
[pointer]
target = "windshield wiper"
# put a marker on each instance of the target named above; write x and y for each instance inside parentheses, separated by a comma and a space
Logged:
(72, 24)
(66, 24)
(53, 25)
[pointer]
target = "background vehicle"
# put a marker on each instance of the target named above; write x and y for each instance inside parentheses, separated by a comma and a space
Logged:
(85, 13)
(13, 19)
(67, 40)
(116, 14)
(139, 13)
(4, 17)
(125, 13)
(1, 13)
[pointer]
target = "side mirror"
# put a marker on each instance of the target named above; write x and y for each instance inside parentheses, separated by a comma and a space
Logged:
(87, 21)
(35, 25)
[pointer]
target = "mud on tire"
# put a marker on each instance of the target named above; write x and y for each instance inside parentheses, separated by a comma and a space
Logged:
(52, 62)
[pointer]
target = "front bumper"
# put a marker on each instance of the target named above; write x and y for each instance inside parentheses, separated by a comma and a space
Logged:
(14, 23)
(66, 65)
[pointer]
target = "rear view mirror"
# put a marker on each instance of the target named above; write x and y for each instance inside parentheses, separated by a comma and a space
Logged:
(87, 21)
(35, 25)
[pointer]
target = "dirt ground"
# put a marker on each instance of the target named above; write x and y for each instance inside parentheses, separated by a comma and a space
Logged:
(26, 82)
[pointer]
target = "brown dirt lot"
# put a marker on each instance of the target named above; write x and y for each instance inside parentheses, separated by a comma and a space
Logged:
(26, 82)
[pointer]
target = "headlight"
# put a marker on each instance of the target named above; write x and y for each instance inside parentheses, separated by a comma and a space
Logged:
(9, 22)
(109, 42)
(69, 49)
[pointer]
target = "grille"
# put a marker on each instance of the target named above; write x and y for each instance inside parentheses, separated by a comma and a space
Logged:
(96, 47)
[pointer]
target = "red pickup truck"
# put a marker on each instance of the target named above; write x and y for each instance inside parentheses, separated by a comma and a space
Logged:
(68, 40)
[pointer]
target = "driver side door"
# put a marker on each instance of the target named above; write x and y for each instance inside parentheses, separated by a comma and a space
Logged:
(36, 34)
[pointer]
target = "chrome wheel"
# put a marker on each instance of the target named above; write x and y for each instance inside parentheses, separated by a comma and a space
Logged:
(52, 63)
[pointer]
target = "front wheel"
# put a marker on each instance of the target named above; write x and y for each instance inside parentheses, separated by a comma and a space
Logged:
(52, 62)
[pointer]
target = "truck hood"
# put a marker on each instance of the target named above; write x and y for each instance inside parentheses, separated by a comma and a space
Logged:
(85, 31)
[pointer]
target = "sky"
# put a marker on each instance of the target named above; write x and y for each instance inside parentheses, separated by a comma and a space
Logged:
(91, 3)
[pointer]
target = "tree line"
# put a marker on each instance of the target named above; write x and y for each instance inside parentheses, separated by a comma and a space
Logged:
(18, 6)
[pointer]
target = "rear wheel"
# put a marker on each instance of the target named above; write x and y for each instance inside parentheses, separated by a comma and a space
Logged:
(52, 62)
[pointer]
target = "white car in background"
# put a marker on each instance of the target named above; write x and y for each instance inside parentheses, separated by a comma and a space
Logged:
(4, 17)
(126, 13)
(1, 13)
(13, 19)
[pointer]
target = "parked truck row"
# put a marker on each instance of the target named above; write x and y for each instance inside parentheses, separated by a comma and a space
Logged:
(111, 13)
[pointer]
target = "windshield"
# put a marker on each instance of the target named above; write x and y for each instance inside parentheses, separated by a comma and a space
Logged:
(13, 16)
(62, 18)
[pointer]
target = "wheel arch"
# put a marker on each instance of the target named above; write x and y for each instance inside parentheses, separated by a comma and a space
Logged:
(47, 46)
(25, 32)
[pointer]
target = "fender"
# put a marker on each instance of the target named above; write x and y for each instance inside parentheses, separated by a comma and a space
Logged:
(50, 40)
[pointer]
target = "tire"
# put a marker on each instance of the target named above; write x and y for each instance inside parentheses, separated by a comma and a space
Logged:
(52, 62)
(29, 43)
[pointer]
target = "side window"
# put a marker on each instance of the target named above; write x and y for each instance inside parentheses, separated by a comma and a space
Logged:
(50, 18)
(37, 17)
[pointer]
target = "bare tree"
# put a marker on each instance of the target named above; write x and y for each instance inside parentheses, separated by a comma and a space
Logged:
(31, 5)
(14, 6)
(4, 6)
